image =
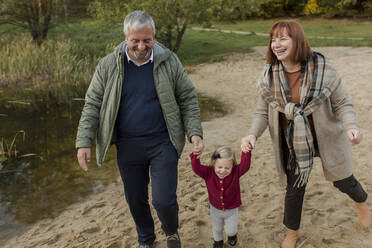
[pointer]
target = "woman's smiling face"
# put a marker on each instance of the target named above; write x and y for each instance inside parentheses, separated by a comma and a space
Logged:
(282, 45)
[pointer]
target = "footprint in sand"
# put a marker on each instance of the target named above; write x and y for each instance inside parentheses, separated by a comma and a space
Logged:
(204, 232)
(317, 217)
(96, 205)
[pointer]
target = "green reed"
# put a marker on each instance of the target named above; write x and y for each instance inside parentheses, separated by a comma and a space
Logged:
(47, 72)
(8, 151)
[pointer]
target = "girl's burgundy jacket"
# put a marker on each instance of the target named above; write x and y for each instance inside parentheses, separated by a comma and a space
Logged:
(223, 193)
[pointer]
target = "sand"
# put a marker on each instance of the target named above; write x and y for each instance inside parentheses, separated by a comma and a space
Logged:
(328, 221)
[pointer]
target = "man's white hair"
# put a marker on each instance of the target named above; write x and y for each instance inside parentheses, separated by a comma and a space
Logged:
(138, 19)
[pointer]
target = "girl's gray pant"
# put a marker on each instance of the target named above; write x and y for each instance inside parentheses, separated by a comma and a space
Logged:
(224, 220)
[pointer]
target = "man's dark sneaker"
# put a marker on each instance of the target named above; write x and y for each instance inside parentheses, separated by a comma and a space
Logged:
(232, 240)
(218, 244)
(173, 241)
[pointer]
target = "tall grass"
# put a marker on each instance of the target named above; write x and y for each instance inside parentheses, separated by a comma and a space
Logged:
(49, 71)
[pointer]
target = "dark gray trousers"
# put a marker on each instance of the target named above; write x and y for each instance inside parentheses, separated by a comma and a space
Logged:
(138, 164)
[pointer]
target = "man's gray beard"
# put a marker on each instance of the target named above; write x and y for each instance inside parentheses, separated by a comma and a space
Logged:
(139, 58)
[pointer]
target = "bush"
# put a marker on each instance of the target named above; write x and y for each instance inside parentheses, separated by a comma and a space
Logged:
(48, 71)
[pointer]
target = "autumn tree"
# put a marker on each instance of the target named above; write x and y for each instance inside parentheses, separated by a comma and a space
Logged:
(281, 8)
(33, 15)
(233, 10)
(350, 7)
(338, 8)
(171, 17)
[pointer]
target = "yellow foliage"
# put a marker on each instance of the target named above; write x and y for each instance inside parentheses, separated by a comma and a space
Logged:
(312, 7)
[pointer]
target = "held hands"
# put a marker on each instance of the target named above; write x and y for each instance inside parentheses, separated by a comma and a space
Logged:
(83, 156)
(354, 135)
(248, 143)
(198, 145)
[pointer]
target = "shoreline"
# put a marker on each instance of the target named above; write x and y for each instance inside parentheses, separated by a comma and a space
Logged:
(329, 219)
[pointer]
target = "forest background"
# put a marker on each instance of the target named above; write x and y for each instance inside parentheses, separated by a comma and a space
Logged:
(51, 47)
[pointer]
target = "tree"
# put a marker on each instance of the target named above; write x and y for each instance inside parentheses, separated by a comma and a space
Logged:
(313, 7)
(346, 7)
(233, 10)
(171, 17)
(107, 12)
(352, 7)
(66, 9)
(34, 15)
(367, 6)
(279, 8)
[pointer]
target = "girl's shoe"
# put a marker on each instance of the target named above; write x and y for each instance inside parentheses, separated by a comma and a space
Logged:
(218, 244)
(232, 240)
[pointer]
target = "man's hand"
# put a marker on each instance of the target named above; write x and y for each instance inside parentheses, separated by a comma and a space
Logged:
(354, 135)
(248, 143)
(83, 156)
(198, 145)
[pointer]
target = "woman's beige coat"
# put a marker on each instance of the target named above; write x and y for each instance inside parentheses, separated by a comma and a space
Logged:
(331, 120)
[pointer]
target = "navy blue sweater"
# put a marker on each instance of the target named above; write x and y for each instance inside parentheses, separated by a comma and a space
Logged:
(140, 116)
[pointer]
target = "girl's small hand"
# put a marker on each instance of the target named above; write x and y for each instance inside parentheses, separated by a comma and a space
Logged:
(354, 135)
(248, 143)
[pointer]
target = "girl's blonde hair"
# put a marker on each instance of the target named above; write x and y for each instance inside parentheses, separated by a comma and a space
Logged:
(223, 152)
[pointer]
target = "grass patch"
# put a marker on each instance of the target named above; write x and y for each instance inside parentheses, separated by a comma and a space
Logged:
(331, 32)
(201, 46)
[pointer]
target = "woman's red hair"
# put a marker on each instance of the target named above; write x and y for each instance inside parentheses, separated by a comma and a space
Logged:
(301, 48)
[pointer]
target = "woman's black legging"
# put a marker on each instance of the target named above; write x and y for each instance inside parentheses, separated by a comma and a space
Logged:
(294, 196)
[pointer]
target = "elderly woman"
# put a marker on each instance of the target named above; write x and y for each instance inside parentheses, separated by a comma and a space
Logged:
(309, 114)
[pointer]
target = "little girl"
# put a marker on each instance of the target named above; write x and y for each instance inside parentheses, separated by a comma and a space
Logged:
(222, 180)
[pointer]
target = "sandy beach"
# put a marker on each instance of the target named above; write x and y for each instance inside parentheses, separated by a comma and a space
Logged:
(329, 219)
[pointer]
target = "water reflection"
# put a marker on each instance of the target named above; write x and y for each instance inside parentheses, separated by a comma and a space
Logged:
(38, 189)
(43, 188)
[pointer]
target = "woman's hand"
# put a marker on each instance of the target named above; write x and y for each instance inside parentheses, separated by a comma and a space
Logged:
(354, 135)
(248, 143)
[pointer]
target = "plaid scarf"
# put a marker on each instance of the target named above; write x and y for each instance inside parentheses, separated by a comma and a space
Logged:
(318, 81)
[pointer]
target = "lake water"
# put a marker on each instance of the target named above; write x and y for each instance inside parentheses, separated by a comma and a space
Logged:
(34, 188)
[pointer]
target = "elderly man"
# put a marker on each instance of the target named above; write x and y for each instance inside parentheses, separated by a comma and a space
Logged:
(141, 99)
